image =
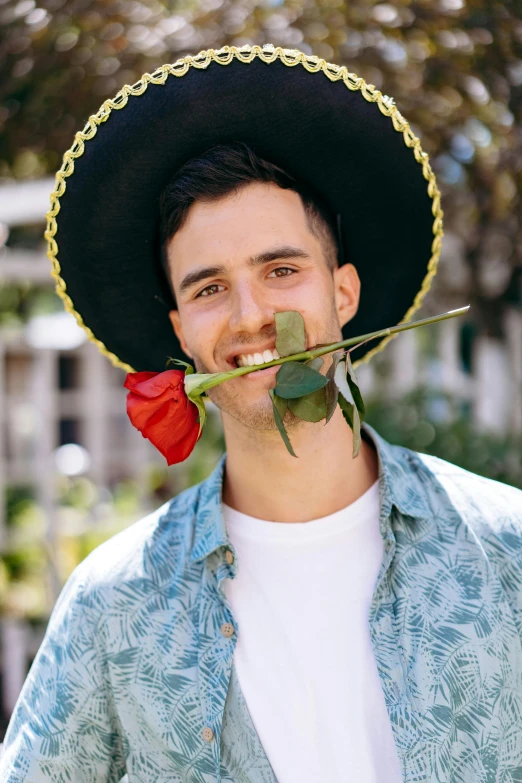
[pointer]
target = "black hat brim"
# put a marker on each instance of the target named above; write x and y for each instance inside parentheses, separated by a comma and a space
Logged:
(323, 125)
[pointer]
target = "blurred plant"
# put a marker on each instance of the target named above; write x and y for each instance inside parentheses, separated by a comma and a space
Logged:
(440, 424)
(454, 69)
(23, 562)
(20, 301)
(85, 516)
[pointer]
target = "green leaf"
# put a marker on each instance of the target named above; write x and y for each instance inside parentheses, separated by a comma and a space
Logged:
(202, 410)
(331, 393)
(347, 409)
(342, 383)
(295, 380)
(354, 386)
(351, 414)
(290, 333)
(316, 363)
(311, 407)
(356, 432)
(188, 367)
(280, 425)
(280, 404)
(331, 390)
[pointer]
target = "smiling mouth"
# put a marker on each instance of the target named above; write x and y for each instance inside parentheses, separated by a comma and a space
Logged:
(258, 357)
(253, 367)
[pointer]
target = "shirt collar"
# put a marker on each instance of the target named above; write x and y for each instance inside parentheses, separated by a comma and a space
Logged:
(400, 485)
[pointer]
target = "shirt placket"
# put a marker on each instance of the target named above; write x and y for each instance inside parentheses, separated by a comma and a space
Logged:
(386, 642)
(217, 642)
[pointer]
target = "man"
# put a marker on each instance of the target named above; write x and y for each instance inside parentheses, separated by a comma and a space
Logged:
(313, 619)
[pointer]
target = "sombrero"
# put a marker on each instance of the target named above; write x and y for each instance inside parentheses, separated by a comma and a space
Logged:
(325, 126)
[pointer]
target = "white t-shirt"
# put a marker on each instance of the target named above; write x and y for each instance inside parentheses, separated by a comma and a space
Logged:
(304, 659)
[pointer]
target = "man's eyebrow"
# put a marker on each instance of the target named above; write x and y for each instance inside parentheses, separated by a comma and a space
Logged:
(203, 273)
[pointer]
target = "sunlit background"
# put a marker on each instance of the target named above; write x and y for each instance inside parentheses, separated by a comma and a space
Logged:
(73, 471)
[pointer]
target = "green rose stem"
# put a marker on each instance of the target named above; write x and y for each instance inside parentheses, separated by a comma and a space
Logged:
(198, 383)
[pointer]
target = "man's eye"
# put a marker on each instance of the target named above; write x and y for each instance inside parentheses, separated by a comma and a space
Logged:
(207, 291)
(283, 268)
(207, 288)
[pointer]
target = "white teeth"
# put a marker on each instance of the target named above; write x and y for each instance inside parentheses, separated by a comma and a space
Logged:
(249, 359)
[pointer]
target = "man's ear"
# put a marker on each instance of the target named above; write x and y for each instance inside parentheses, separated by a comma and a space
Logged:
(347, 292)
(176, 324)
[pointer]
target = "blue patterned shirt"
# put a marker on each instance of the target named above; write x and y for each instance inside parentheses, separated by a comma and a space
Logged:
(135, 674)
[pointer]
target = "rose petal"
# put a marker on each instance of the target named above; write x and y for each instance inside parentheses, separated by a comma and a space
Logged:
(159, 408)
(134, 378)
(154, 384)
(140, 410)
(173, 430)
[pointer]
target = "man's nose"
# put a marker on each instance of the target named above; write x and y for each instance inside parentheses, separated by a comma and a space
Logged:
(250, 309)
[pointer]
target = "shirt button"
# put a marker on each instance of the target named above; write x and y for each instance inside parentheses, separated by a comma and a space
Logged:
(227, 629)
(229, 557)
(207, 734)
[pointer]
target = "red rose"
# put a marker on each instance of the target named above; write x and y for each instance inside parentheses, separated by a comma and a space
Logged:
(159, 408)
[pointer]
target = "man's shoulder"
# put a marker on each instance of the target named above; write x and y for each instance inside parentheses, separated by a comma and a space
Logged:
(142, 549)
(491, 509)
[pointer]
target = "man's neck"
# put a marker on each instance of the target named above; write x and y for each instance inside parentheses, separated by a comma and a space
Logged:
(263, 480)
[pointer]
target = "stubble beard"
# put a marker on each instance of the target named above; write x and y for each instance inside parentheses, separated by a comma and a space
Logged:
(259, 415)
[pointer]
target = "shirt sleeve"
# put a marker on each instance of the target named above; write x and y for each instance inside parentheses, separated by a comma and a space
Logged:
(64, 726)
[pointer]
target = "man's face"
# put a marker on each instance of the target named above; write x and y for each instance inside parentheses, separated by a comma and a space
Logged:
(253, 255)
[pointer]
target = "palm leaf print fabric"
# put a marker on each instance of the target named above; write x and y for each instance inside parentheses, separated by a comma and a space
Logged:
(134, 665)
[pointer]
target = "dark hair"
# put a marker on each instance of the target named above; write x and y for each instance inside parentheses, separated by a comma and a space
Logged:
(224, 169)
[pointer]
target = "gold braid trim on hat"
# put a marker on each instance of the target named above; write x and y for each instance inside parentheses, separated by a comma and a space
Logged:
(245, 54)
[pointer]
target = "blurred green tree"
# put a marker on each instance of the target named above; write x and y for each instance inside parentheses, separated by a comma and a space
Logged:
(453, 67)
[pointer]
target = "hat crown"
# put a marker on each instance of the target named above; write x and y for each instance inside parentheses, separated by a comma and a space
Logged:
(391, 212)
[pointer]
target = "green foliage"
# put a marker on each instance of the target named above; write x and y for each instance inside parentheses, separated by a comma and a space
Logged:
(316, 363)
(18, 499)
(279, 423)
(441, 424)
(350, 399)
(311, 407)
(354, 387)
(296, 380)
(79, 492)
(351, 415)
(189, 369)
(280, 403)
(312, 396)
(290, 332)
(331, 390)
(21, 301)
(452, 68)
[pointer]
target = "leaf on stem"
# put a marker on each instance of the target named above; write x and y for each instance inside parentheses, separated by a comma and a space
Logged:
(350, 400)
(280, 404)
(290, 332)
(354, 386)
(202, 411)
(311, 407)
(351, 414)
(316, 363)
(295, 380)
(188, 367)
(279, 423)
(342, 383)
(331, 390)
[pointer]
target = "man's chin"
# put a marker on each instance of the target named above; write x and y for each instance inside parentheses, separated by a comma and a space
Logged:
(258, 415)
(254, 417)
